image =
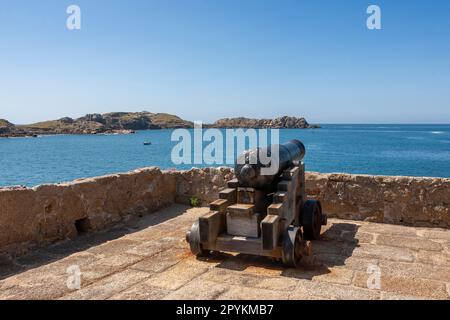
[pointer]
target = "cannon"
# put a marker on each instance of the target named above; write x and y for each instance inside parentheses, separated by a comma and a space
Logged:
(262, 212)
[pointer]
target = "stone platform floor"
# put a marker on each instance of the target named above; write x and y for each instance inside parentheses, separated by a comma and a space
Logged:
(148, 258)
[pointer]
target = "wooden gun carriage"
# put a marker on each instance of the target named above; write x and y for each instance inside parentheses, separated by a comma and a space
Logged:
(262, 214)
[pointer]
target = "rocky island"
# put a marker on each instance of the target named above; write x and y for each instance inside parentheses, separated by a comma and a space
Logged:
(129, 122)
(278, 123)
(108, 123)
(7, 128)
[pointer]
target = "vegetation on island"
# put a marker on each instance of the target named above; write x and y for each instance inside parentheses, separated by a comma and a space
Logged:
(129, 122)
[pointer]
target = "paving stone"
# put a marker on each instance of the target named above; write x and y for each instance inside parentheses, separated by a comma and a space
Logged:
(146, 249)
(42, 286)
(236, 278)
(88, 264)
(83, 242)
(434, 234)
(109, 286)
(141, 291)
(381, 252)
(159, 231)
(352, 263)
(146, 235)
(207, 262)
(174, 215)
(252, 265)
(416, 270)
(405, 285)
(237, 263)
(82, 257)
(300, 296)
(198, 289)
(343, 224)
(161, 261)
(360, 237)
(280, 284)
(244, 293)
(173, 242)
(37, 258)
(334, 275)
(176, 276)
(153, 261)
(10, 270)
(433, 258)
(409, 242)
(333, 291)
(348, 236)
(232, 277)
(330, 246)
(119, 260)
(94, 272)
(149, 248)
(113, 247)
(264, 270)
(60, 266)
(446, 246)
(387, 229)
(397, 296)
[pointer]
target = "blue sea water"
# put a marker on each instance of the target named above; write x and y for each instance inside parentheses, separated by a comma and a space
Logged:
(412, 150)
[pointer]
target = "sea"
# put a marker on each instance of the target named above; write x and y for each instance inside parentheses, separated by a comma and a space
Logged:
(376, 149)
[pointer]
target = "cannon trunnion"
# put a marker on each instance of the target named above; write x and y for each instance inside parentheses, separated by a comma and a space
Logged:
(266, 215)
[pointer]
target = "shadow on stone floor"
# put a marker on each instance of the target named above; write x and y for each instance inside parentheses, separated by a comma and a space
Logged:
(83, 242)
(333, 249)
(336, 244)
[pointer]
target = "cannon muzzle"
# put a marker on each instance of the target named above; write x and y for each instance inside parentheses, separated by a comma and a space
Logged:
(248, 168)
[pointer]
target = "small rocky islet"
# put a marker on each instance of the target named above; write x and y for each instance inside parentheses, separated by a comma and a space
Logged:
(129, 122)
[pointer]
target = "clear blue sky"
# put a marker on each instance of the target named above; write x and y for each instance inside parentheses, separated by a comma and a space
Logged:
(204, 60)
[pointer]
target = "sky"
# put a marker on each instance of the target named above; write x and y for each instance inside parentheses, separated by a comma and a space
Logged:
(209, 59)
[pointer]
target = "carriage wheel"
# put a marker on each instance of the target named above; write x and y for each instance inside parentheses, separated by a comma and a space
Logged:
(312, 219)
(193, 237)
(293, 247)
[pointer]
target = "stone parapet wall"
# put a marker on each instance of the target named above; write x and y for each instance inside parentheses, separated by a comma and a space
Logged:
(204, 184)
(31, 217)
(395, 200)
(386, 199)
(36, 216)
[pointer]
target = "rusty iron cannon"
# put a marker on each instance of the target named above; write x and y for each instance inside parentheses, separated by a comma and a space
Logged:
(262, 212)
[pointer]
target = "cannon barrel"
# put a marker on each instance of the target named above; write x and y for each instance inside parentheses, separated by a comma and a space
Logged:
(249, 165)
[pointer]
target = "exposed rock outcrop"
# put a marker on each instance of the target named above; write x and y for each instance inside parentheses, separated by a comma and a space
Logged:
(7, 129)
(116, 122)
(278, 123)
(5, 126)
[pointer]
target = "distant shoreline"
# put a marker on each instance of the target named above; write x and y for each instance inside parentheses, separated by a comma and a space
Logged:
(129, 122)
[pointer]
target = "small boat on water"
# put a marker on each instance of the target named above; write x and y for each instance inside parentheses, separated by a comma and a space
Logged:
(147, 143)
